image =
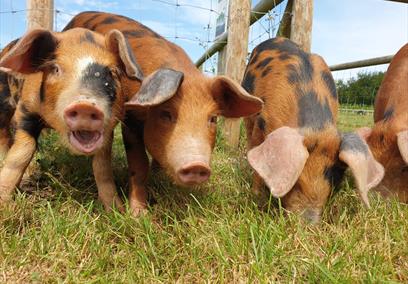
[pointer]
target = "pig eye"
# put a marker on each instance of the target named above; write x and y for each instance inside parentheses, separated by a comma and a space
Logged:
(213, 119)
(166, 116)
(55, 69)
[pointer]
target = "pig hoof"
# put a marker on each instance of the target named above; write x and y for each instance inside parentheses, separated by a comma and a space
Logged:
(138, 211)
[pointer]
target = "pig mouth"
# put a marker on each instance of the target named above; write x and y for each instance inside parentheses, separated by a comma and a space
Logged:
(86, 141)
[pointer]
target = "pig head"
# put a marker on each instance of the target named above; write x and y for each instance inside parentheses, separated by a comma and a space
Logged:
(180, 124)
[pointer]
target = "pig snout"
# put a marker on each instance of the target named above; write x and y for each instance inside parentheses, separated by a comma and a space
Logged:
(83, 116)
(194, 173)
(85, 122)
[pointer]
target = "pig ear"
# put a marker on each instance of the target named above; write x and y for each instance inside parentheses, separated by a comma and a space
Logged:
(280, 159)
(118, 44)
(367, 172)
(30, 52)
(157, 88)
(233, 100)
(402, 139)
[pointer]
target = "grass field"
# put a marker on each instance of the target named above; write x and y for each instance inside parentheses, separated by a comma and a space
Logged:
(56, 231)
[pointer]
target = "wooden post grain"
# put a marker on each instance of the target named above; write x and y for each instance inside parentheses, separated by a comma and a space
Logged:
(40, 14)
(235, 57)
(301, 23)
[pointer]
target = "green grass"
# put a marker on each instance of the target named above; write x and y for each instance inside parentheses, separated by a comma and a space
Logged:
(56, 231)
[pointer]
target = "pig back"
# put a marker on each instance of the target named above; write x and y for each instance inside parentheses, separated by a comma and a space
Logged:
(392, 97)
(152, 51)
(296, 87)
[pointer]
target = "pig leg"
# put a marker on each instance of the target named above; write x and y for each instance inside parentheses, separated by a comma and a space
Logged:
(5, 142)
(138, 165)
(102, 169)
(17, 160)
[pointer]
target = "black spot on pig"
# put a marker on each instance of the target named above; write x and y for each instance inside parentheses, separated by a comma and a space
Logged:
(329, 82)
(31, 123)
(284, 56)
(264, 62)
(293, 75)
(6, 109)
(98, 78)
(388, 114)
(135, 33)
(87, 37)
(248, 82)
(335, 173)
(266, 71)
(261, 123)
(109, 20)
(42, 91)
(312, 113)
(87, 23)
(352, 142)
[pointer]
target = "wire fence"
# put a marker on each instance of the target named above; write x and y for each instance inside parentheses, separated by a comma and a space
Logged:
(192, 25)
(170, 23)
(196, 35)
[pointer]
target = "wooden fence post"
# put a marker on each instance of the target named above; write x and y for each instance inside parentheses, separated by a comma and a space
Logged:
(40, 14)
(236, 51)
(296, 23)
(301, 23)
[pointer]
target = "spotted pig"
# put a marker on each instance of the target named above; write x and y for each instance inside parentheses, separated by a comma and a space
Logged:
(175, 123)
(295, 146)
(71, 82)
(388, 139)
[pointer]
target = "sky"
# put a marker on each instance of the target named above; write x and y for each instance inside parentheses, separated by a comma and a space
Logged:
(343, 31)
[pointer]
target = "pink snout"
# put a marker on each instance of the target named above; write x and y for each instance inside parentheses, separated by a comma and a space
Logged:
(83, 116)
(194, 173)
(85, 123)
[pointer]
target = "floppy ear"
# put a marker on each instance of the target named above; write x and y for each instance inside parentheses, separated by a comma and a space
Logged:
(232, 99)
(118, 44)
(30, 52)
(280, 159)
(402, 139)
(367, 172)
(156, 88)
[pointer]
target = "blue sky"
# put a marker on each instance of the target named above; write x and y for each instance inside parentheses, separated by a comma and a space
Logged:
(342, 30)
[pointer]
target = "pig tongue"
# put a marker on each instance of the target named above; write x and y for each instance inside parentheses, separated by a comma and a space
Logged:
(85, 136)
(85, 140)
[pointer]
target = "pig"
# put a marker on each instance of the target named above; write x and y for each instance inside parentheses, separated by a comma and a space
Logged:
(294, 144)
(10, 89)
(388, 139)
(70, 82)
(176, 123)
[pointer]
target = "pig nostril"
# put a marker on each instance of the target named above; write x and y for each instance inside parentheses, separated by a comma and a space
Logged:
(94, 116)
(185, 172)
(74, 114)
(203, 173)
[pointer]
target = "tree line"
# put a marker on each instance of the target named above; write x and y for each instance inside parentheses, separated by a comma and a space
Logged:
(360, 90)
